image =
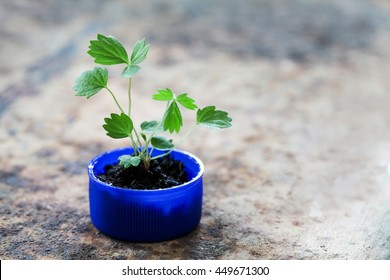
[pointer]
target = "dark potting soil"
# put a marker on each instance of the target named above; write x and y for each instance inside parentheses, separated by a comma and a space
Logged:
(163, 173)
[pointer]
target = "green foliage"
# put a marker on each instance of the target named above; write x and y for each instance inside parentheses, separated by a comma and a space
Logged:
(91, 82)
(212, 118)
(150, 127)
(127, 160)
(140, 51)
(161, 143)
(164, 95)
(118, 126)
(187, 102)
(130, 71)
(107, 50)
(173, 120)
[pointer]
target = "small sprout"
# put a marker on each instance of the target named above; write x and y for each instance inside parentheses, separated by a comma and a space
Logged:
(127, 160)
(107, 50)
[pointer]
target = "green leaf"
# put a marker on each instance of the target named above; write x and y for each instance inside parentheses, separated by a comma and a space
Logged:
(140, 51)
(108, 50)
(91, 82)
(161, 143)
(212, 118)
(127, 160)
(118, 126)
(150, 127)
(164, 95)
(130, 71)
(172, 118)
(187, 102)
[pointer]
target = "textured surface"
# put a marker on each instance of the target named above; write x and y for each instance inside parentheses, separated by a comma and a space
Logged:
(302, 174)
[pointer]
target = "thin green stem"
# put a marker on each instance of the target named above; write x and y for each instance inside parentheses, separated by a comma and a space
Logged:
(135, 147)
(150, 138)
(151, 152)
(186, 135)
(137, 136)
(129, 95)
(162, 155)
(147, 143)
(181, 140)
(116, 101)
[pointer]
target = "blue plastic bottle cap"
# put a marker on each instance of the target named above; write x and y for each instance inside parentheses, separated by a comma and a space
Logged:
(146, 215)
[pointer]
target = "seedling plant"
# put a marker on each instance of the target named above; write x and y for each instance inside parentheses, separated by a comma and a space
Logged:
(107, 50)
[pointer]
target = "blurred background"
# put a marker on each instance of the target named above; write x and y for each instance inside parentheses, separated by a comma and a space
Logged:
(302, 174)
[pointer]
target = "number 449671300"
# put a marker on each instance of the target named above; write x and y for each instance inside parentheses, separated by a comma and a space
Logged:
(242, 270)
